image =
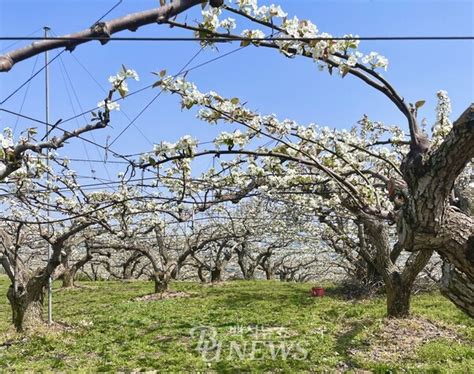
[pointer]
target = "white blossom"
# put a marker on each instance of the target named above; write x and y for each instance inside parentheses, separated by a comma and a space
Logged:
(443, 124)
(111, 105)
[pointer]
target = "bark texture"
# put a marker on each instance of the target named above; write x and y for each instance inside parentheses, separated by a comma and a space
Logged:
(456, 286)
(398, 297)
(26, 301)
(398, 283)
(100, 31)
(428, 220)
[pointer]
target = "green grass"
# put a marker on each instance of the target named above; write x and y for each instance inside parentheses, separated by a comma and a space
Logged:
(109, 331)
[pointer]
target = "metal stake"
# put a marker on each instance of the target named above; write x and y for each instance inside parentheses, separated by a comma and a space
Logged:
(46, 78)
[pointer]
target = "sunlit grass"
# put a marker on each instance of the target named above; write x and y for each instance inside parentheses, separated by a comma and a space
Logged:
(110, 331)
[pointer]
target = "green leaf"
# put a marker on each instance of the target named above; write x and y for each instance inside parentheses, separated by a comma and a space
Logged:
(235, 100)
(245, 43)
(420, 103)
(157, 84)
(152, 161)
(229, 142)
(162, 73)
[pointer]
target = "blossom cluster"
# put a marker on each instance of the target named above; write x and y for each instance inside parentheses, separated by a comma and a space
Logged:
(443, 124)
(341, 152)
(309, 41)
(119, 84)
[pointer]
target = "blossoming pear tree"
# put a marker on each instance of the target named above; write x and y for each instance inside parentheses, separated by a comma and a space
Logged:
(21, 236)
(420, 183)
(161, 232)
(31, 184)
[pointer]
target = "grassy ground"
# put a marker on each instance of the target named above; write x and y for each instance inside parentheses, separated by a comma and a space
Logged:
(251, 326)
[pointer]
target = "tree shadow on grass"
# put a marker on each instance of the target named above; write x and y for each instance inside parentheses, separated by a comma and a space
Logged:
(292, 297)
(345, 340)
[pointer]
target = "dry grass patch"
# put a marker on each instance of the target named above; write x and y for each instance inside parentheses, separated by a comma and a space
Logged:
(398, 339)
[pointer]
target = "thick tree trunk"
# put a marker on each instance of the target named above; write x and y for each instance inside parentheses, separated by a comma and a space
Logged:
(68, 277)
(162, 278)
(398, 298)
(454, 242)
(248, 270)
(268, 268)
(216, 274)
(427, 220)
(127, 273)
(398, 285)
(69, 273)
(162, 282)
(270, 272)
(27, 307)
(372, 275)
(457, 288)
(249, 274)
(201, 275)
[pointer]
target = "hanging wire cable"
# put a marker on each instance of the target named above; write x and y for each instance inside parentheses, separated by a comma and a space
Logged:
(26, 94)
(82, 110)
(240, 38)
(15, 43)
(151, 85)
(54, 58)
(56, 126)
(124, 113)
(91, 134)
(62, 69)
(116, 154)
(156, 96)
(108, 12)
(31, 78)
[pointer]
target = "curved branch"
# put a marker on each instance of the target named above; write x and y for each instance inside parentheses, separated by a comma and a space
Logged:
(449, 160)
(100, 31)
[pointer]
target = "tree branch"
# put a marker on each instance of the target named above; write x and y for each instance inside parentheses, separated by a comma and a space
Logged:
(100, 31)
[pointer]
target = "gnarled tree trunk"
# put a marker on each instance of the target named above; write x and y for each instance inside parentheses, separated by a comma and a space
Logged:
(216, 274)
(428, 219)
(269, 270)
(246, 266)
(398, 297)
(162, 278)
(26, 301)
(69, 273)
(201, 275)
(456, 286)
(398, 284)
(367, 273)
(161, 282)
(68, 278)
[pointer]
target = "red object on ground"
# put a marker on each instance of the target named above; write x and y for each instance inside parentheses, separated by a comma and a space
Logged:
(317, 292)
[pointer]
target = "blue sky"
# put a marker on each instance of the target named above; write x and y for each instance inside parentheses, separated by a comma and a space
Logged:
(290, 88)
